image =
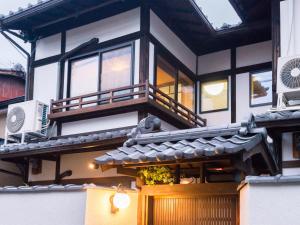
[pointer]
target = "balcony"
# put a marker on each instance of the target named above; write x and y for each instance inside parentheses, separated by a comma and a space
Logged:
(140, 97)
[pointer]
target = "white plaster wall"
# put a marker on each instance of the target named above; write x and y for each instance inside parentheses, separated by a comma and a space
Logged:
(217, 118)
(270, 204)
(48, 46)
(254, 54)
(43, 208)
(243, 108)
(48, 172)
(45, 83)
(214, 62)
(79, 164)
(162, 33)
(98, 210)
(289, 27)
(101, 123)
(151, 63)
(106, 29)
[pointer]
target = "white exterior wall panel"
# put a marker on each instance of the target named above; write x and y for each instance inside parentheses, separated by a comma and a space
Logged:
(106, 29)
(167, 38)
(47, 47)
(100, 123)
(45, 83)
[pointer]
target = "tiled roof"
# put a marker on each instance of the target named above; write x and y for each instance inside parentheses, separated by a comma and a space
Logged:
(186, 144)
(272, 179)
(277, 115)
(45, 188)
(67, 141)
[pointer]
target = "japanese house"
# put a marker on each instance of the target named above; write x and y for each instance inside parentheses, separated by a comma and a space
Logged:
(125, 84)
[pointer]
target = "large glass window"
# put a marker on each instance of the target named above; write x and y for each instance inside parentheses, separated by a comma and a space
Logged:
(84, 76)
(186, 91)
(166, 77)
(116, 69)
(261, 88)
(214, 95)
(115, 72)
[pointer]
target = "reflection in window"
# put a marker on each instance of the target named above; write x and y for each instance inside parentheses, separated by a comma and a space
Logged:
(185, 91)
(166, 74)
(261, 88)
(214, 95)
(116, 69)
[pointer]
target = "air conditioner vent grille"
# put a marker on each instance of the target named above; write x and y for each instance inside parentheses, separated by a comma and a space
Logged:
(290, 73)
(15, 119)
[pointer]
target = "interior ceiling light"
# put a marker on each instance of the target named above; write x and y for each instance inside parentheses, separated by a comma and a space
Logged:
(214, 89)
(220, 13)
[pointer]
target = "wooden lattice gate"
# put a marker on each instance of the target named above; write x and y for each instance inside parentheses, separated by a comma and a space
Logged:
(195, 204)
(195, 210)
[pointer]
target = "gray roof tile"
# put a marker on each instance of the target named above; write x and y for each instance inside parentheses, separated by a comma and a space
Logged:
(65, 141)
(277, 115)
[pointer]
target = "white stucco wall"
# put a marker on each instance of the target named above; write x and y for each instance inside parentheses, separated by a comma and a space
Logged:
(106, 29)
(167, 37)
(100, 123)
(289, 27)
(48, 46)
(45, 83)
(273, 204)
(44, 208)
(254, 54)
(213, 62)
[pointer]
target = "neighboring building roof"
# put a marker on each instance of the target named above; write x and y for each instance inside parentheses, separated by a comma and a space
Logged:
(279, 179)
(278, 118)
(45, 188)
(63, 143)
(12, 73)
(189, 144)
(6, 103)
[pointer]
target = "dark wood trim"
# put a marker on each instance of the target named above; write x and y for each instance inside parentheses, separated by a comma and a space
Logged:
(105, 44)
(291, 164)
(57, 169)
(30, 77)
(275, 24)
(102, 181)
(296, 150)
(233, 85)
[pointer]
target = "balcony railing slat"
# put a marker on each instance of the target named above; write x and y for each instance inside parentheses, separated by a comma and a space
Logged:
(133, 91)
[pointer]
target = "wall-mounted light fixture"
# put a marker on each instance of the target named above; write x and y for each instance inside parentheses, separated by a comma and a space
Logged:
(93, 166)
(119, 200)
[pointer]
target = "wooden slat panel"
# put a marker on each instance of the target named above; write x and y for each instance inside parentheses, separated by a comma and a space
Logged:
(195, 210)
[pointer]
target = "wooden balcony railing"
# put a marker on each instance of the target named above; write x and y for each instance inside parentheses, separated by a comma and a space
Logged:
(120, 97)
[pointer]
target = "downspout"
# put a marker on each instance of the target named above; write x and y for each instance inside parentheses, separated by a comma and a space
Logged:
(28, 61)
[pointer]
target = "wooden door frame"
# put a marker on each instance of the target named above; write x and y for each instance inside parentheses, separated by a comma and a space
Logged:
(147, 193)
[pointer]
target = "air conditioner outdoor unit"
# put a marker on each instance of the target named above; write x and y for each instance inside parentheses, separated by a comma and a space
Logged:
(26, 118)
(288, 81)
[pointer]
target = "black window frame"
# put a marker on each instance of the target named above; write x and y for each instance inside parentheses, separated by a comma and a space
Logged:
(227, 77)
(250, 88)
(99, 52)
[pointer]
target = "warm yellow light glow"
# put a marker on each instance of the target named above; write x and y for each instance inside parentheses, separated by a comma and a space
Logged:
(214, 89)
(93, 166)
(121, 200)
(186, 180)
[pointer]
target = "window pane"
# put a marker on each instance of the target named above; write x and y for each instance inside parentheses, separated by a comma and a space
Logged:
(261, 88)
(214, 95)
(186, 91)
(84, 76)
(165, 77)
(116, 69)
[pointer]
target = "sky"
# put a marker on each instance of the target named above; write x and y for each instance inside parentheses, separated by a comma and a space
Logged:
(9, 56)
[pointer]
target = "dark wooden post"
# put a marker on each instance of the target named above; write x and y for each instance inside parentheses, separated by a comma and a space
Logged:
(275, 7)
(233, 85)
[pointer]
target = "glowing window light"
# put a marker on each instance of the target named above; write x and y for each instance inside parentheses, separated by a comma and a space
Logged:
(214, 89)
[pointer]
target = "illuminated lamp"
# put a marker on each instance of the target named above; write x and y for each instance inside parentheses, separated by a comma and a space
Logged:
(214, 89)
(120, 200)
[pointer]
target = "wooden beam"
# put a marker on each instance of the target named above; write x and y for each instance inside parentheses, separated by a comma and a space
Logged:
(127, 171)
(275, 8)
(233, 86)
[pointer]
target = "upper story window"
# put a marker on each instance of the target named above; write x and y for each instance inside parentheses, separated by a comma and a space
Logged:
(102, 71)
(174, 83)
(214, 95)
(261, 88)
